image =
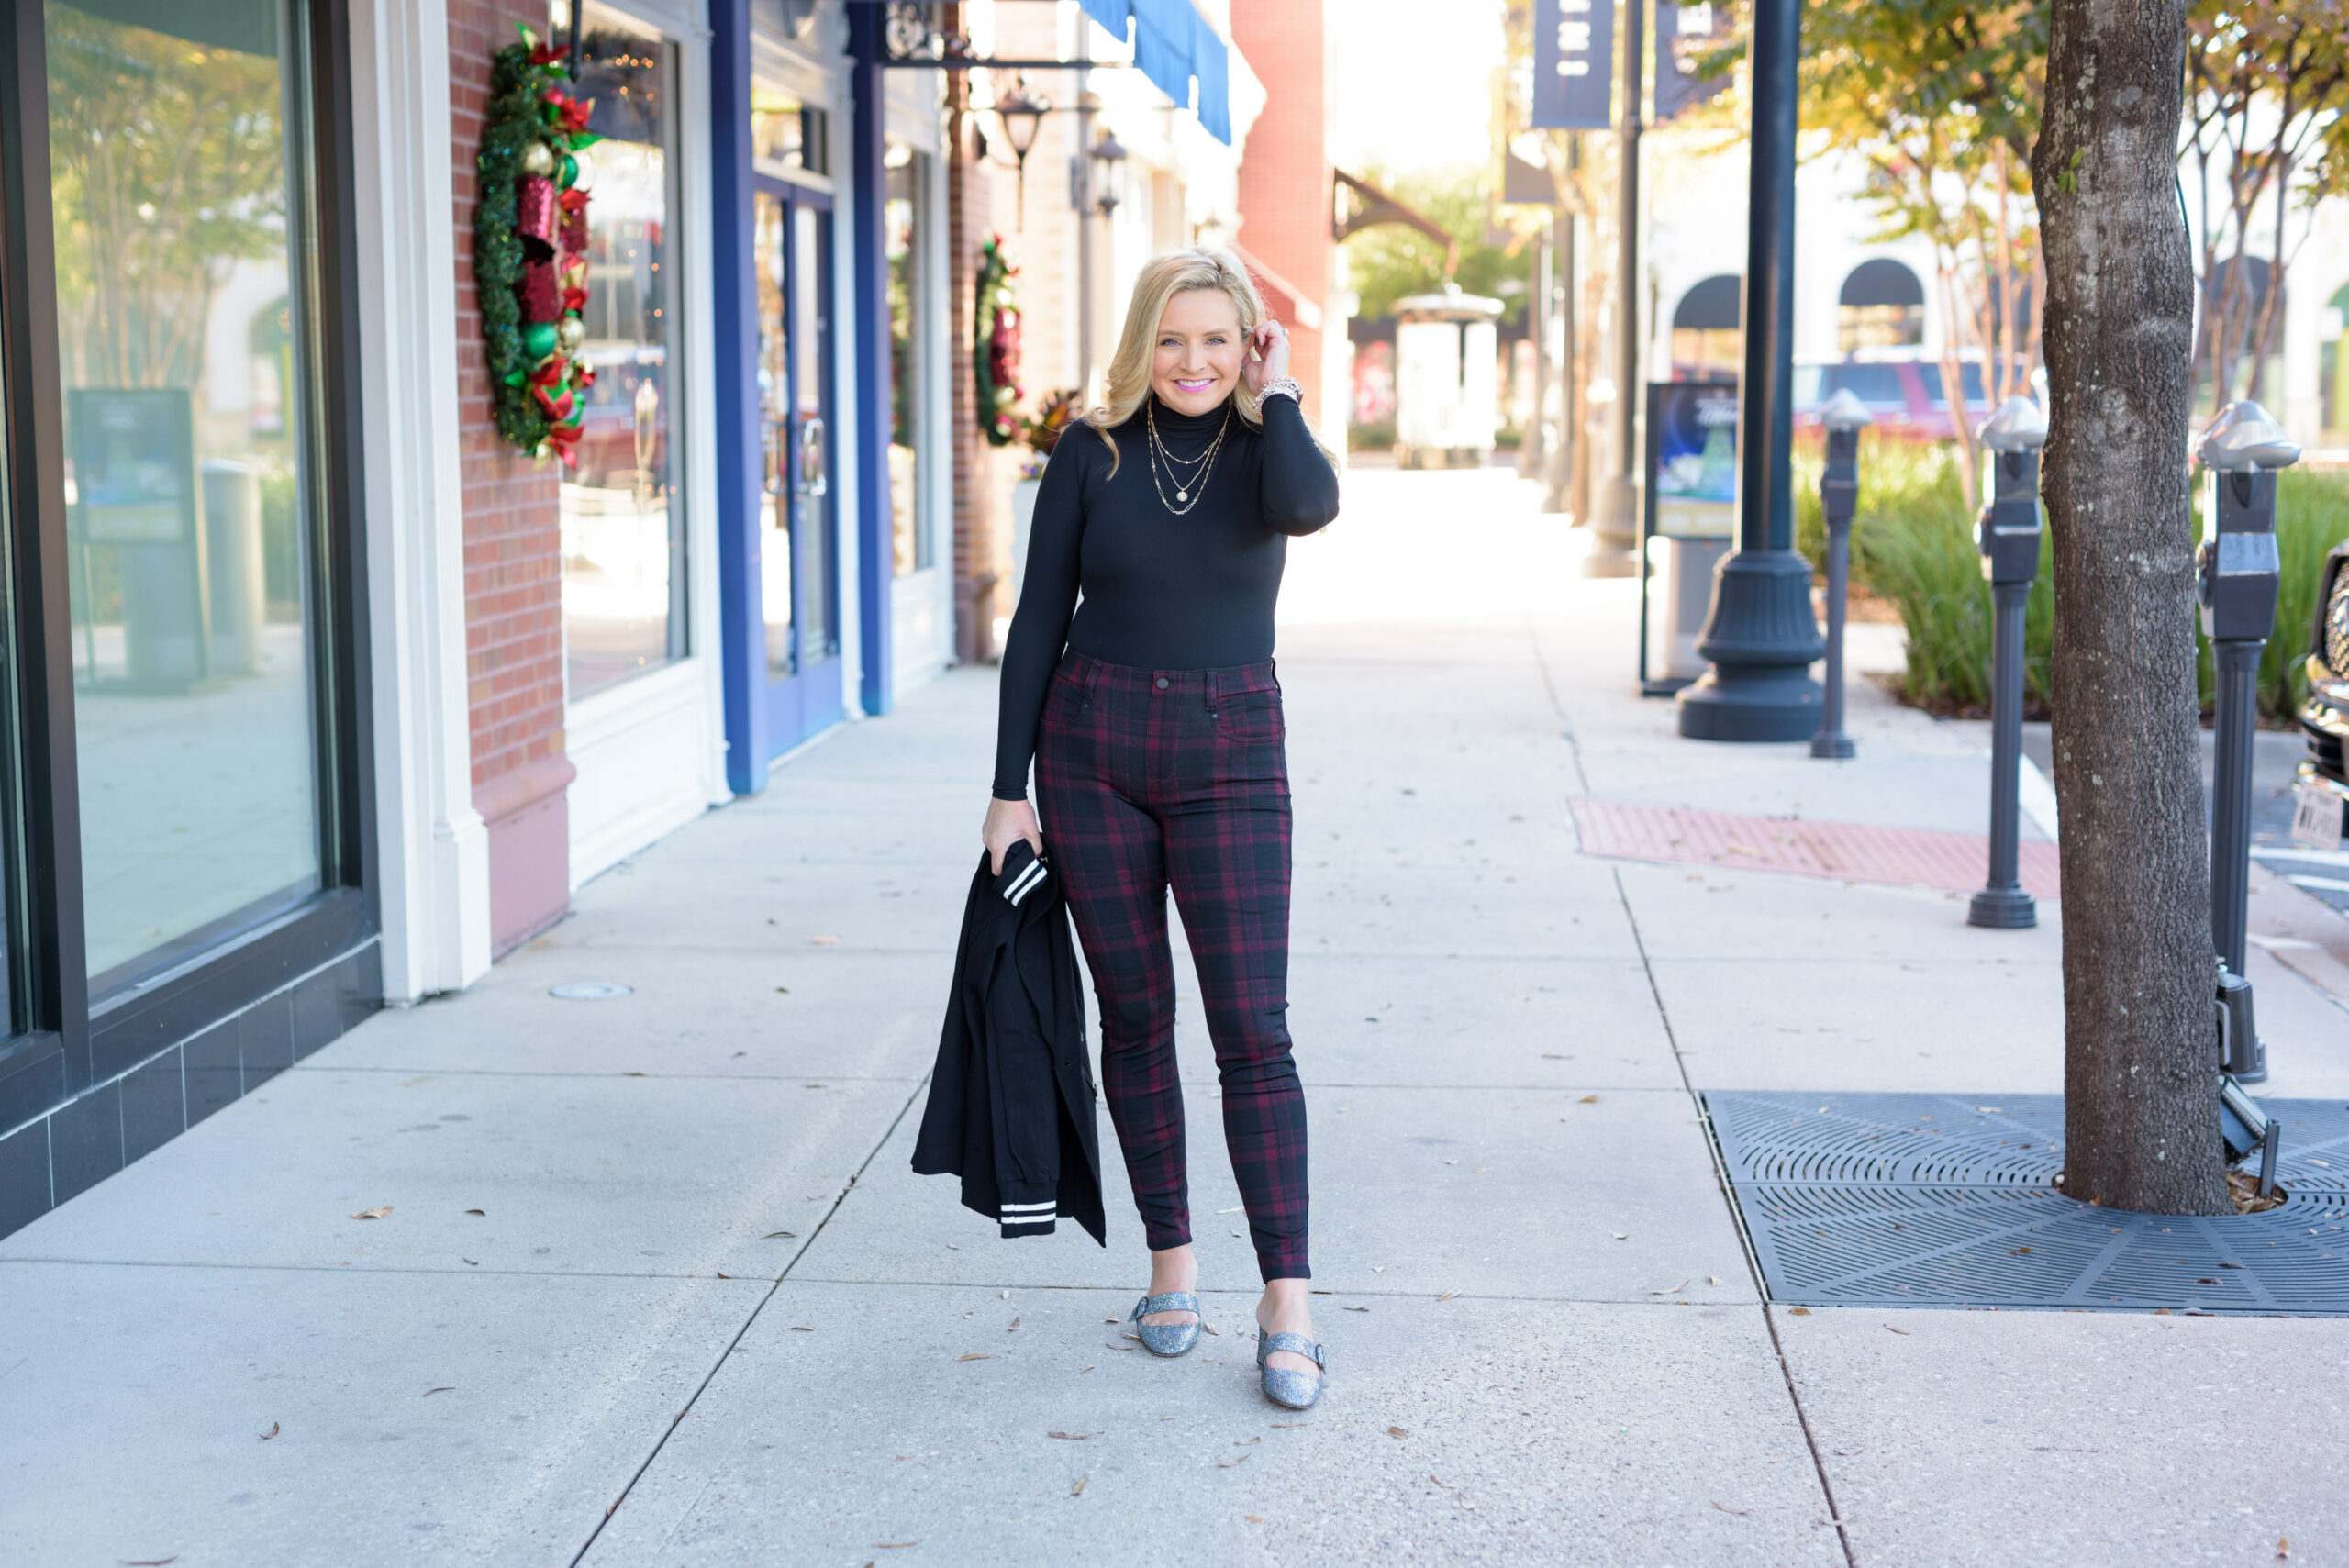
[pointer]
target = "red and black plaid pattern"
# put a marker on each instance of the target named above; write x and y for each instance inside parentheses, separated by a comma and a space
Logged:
(1153, 779)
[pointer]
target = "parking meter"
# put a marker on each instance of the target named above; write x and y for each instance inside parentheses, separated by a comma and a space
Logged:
(1838, 498)
(2236, 576)
(2008, 533)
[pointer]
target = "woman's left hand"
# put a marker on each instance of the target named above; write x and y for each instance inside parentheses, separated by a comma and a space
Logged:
(1269, 361)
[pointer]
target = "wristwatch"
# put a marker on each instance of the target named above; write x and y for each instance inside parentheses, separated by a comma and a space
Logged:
(1285, 384)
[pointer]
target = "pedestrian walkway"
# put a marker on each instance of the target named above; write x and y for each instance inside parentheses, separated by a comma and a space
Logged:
(651, 1285)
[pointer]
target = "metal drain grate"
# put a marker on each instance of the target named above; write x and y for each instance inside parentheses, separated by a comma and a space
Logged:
(1939, 1200)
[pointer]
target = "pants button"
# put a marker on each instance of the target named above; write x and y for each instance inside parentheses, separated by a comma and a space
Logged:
(1162, 683)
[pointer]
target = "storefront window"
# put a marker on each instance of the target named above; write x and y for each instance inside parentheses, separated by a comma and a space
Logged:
(902, 219)
(786, 135)
(177, 176)
(623, 521)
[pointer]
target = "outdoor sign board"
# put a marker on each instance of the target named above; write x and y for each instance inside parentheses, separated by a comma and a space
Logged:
(1573, 51)
(134, 464)
(1690, 496)
(1692, 459)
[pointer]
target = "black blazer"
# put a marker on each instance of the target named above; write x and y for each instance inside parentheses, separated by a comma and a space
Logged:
(1011, 1101)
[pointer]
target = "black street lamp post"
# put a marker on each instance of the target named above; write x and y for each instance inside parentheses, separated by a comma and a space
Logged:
(2237, 578)
(1762, 638)
(1838, 498)
(2008, 532)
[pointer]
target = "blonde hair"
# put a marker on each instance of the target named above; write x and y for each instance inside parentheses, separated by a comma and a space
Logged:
(1125, 384)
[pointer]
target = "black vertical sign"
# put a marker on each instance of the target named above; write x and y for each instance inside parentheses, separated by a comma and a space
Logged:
(1680, 31)
(1574, 55)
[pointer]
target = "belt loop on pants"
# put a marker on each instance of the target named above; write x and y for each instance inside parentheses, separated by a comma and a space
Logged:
(1214, 693)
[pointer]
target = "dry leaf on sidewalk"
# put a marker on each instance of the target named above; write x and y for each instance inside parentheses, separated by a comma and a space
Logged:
(468, 1260)
(274, 1431)
(1447, 1295)
(1739, 1512)
(1588, 1100)
(1246, 1442)
(1228, 1464)
(978, 1356)
(1072, 1437)
(444, 1388)
(1357, 1309)
(1797, 1311)
(476, 1211)
(1670, 1289)
(1078, 1490)
(780, 1235)
(801, 1329)
(372, 1212)
(1397, 1432)
(1015, 1327)
(1890, 1329)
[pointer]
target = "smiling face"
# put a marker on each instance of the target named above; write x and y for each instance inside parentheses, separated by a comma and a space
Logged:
(1199, 352)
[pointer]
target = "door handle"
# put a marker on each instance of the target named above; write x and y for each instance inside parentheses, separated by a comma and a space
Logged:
(814, 478)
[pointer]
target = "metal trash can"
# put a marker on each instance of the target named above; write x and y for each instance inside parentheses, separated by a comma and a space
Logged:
(234, 582)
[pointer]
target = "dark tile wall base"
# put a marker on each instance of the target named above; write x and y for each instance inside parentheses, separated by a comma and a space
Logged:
(88, 1139)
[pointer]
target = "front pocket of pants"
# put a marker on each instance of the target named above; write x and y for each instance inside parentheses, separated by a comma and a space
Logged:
(1252, 718)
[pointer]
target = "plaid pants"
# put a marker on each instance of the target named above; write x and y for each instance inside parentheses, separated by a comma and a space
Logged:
(1152, 779)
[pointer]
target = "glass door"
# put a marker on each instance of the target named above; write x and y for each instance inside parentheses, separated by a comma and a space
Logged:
(797, 512)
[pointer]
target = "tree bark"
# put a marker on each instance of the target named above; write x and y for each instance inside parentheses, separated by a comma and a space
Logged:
(2141, 1112)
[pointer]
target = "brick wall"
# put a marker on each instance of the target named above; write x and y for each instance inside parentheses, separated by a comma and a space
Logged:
(1285, 168)
(979, 521)
(513, 535)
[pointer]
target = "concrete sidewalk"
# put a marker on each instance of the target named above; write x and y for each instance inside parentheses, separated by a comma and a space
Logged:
(656, 1287)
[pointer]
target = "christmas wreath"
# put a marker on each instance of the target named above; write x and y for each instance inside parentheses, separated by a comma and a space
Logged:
(994, 358)
(530, 250)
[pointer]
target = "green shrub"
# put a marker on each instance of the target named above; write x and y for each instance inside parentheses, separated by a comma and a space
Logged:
(1912, 544)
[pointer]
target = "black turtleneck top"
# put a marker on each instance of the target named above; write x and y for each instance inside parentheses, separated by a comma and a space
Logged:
(1161, 591)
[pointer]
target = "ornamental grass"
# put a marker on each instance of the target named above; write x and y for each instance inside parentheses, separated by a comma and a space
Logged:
(1912, 545)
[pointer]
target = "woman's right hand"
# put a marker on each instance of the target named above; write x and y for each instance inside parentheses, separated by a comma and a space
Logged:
(1008, 821)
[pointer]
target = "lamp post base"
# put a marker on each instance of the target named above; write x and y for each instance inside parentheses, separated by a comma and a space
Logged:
(2002, 910)
(1761, 643)
(1836, 745)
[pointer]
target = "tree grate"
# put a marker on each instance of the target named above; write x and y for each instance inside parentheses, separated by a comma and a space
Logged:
(1943, 1200)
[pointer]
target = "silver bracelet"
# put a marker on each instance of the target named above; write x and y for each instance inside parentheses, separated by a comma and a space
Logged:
(1285, 384)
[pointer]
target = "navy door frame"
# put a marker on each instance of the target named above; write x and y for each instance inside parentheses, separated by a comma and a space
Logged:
(764, 717)
(809, 699)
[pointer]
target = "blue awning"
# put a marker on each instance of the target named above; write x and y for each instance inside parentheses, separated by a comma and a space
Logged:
(1172, 43)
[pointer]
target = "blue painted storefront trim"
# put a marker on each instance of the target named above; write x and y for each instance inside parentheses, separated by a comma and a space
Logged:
(870, 394)
(742, 653)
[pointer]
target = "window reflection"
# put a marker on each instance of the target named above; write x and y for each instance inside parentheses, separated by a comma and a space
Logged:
(174, 180)
(623, 528)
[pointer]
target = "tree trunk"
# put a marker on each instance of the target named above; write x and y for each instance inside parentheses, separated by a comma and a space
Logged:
(2140, 1109)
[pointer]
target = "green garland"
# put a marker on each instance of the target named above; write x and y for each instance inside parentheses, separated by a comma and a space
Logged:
(537, 381)
(995, 357)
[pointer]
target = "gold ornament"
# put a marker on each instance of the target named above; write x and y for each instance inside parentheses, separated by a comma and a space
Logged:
(538, 159)
(571, 334)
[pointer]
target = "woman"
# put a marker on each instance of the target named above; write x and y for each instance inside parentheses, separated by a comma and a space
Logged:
(1155, 721)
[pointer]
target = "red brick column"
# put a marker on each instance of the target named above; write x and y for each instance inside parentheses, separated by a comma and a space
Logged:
(513, 560)
(1285, 201)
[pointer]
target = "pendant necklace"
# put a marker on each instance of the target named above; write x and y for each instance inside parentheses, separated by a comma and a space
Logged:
(1204, 463)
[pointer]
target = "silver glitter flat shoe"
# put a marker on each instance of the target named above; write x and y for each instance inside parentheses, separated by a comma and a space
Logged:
(1167, 1339)
(1295, 1389)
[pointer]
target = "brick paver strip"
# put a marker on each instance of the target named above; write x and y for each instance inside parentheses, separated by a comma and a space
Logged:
(1848, 852)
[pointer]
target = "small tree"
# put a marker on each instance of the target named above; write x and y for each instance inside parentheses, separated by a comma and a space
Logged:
(2267, 85)
(1940, 99)
(2141, 1113)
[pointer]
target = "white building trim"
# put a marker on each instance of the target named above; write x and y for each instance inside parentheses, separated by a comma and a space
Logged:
(651, 751)
(433, 851)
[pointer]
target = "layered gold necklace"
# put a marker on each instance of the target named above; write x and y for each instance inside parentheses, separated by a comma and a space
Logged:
(1187, 491)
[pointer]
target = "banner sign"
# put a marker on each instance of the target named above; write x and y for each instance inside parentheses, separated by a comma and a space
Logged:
(1680, 32)
(1574, 56)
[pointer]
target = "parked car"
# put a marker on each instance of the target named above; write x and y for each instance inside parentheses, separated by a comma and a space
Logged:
(2325, 716)
(1905, 396)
